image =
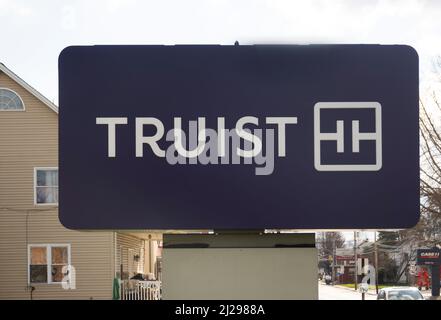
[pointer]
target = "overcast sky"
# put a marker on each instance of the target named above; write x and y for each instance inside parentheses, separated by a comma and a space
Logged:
(34, 32)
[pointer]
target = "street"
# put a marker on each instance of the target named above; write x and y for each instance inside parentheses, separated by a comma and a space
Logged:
(339, 293)
(327, 292)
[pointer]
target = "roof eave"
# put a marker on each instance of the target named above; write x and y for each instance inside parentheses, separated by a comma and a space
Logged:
(31, 90)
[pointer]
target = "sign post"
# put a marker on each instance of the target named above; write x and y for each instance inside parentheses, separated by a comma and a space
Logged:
(364, 288)
(241, 266)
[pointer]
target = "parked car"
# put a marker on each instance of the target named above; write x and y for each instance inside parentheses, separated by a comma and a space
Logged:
(400, 293)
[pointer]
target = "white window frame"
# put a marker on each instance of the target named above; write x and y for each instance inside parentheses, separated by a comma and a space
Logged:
(48, 261)
(22, 102)
(35, 186)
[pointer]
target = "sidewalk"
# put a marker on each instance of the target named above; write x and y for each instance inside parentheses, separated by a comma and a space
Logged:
(329, 292)
(370, 292)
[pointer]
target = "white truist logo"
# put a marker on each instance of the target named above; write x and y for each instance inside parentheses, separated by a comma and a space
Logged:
(338, 136)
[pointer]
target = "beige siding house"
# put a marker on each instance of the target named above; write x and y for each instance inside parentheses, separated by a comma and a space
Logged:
(35, 249)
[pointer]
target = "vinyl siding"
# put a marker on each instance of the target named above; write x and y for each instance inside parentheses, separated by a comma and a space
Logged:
(29, 139)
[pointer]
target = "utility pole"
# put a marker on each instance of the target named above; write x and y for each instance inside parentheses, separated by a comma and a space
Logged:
(333, 261)
(376, 261)
(355, 262)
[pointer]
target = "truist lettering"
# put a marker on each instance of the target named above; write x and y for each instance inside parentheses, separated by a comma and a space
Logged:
(207, 145)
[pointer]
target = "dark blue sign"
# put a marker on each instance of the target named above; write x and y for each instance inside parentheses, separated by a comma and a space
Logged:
(239, 137)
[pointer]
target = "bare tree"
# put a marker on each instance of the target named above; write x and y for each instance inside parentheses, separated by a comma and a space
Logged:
(428, 231)
(328, 241)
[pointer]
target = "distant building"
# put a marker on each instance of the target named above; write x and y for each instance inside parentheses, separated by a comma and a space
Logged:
(344, 266)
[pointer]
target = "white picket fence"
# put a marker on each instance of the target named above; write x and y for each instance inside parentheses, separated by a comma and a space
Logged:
(140, 290)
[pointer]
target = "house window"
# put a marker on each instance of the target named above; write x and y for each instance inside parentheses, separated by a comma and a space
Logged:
(38, 265)
(46, 186)
(46, 263)
(10, 101)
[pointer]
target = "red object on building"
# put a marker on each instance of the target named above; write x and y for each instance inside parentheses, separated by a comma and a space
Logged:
(423, 279)
(346, 263)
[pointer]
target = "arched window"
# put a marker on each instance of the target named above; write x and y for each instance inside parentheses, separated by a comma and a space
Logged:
(10, 101)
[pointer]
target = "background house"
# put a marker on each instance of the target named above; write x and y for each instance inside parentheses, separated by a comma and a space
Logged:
(34, 246)
(345, 264)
